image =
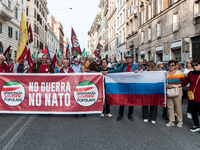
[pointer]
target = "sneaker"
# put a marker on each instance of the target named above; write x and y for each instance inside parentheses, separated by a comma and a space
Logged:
(153, 121)
(189, 116)
(170, 124)
(180, 124)
(119, 117)
(130, 118)
(145, 120)
(102, 115)
(109, 115)
(195, 129)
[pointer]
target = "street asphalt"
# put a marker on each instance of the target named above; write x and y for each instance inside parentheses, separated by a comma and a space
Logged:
(65, 132)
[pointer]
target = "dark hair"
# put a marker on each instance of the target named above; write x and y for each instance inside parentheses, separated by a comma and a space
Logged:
(103, 60)
(171, 62)
(152, 66)
(196, 61)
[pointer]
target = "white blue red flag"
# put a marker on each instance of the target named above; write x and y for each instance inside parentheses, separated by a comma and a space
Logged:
(136, 89)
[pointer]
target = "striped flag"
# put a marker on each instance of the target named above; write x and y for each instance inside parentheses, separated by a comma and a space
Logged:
(136, 89)
(75, 44)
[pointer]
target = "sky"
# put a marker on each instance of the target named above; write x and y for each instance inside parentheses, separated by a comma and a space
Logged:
(81, 17)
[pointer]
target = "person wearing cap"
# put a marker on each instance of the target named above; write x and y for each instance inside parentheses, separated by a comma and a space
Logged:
(127, 67)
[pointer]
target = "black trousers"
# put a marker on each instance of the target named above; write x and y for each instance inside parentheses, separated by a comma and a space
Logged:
(164, 111)
(130, 110)
(106, 107)
(189, 109)
(195, 106)
(152, 115)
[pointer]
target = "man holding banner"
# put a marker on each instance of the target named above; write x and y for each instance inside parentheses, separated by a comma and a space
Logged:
(129, 67)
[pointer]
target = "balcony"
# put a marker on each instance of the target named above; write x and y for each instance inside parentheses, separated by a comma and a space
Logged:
(5, 12)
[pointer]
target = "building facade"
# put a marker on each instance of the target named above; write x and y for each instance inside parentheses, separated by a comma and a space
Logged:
(57, 29)
(52, 41)
(36, 16)
(163, 29)
(10, 18)
(121, 30)
(65, 44)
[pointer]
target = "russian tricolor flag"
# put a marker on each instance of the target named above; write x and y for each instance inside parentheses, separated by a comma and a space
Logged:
(136, 89)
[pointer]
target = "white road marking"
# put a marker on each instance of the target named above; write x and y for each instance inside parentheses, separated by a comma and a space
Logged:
(19, 133)
(7, 132)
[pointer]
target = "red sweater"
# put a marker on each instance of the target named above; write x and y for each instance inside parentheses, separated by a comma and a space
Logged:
(4, 68)
(192, 79)
(70, 70)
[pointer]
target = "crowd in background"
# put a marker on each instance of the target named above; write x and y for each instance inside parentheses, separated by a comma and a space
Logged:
(176, 78)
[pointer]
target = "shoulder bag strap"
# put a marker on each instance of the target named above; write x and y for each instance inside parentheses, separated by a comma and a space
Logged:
(196, 84)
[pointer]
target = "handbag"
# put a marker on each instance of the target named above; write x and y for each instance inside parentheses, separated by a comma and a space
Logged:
(191, 93)
(172, 92)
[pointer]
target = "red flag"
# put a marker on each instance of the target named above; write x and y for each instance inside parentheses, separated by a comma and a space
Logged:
(6, 53)
(98, 51)
(21, 58)
(30, 35)
(53, 62)
(29, 59)
(67, 51)
(124, 54)
(75, 44)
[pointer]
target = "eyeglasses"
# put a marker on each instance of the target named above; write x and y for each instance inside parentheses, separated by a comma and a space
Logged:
(171, 65)
(104, 62)
(195, 65)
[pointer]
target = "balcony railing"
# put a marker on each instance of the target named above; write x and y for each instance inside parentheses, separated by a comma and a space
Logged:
(5, 12)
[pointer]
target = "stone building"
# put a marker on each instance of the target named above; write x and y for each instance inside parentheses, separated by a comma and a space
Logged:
(36, 16)
(10, 18)
(161, 30)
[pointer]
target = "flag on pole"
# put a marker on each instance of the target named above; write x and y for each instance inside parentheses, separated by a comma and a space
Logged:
(33, 57)
(83, 53)
(49, 56)
(30, 35)
(42, 52)
(26, 68)
(97, 51)
(29, 60)
(21, 49)
(53, 62)
(67, 51)
(38, 53)
(59, 54)
(6, 53)
(75, 43)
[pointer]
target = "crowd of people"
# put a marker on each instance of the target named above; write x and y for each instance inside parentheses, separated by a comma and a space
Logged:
(176, 78)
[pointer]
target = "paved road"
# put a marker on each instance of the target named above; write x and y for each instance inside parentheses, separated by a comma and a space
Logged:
(61, 132)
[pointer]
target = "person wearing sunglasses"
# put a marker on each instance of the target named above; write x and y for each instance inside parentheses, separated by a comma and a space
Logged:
(174, 79)
(193, 78)
(76, 66)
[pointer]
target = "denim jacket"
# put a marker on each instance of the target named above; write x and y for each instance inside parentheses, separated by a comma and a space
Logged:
(121, 68)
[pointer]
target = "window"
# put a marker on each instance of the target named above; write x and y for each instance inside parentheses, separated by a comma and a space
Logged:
(27, 11)
(9, 4)
(131, 26)
(149, 11)
(135, 5)
(10, 32)
(35, 2)
(142, 17)
(16, 12)
(175, 22)
(16, 35)
(159, 5)
(0, 27)
(127, 13)
(142, 37)
(197, 9)
(22, 1)
(124, 15)
(127, 29)
(149, 34)
(34, 13)
(136, 24)
(159, 29)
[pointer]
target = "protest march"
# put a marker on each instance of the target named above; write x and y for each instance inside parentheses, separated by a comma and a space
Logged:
(82, 85)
